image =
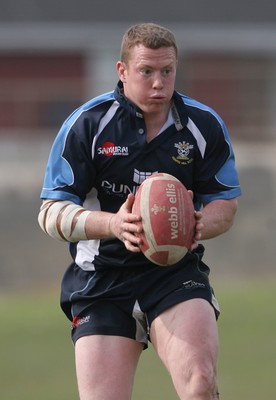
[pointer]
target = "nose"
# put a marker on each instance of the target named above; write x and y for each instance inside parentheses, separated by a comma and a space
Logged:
(157, 81)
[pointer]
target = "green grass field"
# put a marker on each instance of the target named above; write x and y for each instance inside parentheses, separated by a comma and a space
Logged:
(37, 358)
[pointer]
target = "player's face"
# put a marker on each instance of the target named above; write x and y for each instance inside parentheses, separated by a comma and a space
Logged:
(149, 78)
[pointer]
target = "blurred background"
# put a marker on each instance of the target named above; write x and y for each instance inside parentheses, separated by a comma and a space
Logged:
(55, 55)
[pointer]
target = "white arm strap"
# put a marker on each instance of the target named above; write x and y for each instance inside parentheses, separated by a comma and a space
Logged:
(63, 220)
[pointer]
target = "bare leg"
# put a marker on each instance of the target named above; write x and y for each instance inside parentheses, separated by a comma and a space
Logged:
(106, 367)
(186, 339)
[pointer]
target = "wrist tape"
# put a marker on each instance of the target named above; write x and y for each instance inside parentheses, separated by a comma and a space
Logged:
(63, 220)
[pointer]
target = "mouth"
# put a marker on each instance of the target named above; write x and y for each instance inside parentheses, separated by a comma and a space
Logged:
(157, 97)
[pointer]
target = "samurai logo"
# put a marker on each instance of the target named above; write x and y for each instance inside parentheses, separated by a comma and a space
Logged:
(183, 152)
(109, 149)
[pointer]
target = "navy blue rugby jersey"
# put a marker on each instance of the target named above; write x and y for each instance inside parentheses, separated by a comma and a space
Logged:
(100, 155)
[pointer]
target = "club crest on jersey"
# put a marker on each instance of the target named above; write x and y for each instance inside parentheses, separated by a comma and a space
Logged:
(183, 153)
(109, 149)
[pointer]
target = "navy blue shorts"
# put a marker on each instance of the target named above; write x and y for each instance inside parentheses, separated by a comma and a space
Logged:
(124, 301)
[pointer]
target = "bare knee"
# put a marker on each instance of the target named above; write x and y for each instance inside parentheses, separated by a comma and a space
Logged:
(202, 384)
(195, 380)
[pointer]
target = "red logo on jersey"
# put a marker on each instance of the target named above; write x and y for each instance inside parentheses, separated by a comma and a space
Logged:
(109, 149)
(77, 321)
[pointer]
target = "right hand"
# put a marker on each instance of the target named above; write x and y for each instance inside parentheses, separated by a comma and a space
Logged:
(125, 225)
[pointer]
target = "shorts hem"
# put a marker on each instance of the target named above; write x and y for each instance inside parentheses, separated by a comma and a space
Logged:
(103, 332)
(181, 297)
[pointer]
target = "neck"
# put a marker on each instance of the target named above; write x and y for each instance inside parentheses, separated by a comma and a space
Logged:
(154, 123)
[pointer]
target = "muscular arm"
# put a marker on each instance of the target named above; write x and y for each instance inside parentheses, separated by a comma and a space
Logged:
(122, 225)
(67, 221)
(64, 220)
(215, 218)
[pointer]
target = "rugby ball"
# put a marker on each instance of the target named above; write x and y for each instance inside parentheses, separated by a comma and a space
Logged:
(168, 219)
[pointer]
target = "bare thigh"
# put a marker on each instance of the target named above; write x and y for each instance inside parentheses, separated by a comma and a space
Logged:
(186, 339)
(106, 366)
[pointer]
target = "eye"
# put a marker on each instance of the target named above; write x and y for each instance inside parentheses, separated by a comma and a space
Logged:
(166, 71)
(145, 71)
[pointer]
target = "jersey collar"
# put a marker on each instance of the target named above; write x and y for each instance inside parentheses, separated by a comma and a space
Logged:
(178, 109)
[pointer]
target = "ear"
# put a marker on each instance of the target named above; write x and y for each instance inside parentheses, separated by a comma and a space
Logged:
(121, 70)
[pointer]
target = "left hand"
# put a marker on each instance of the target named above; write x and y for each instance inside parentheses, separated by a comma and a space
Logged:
(198, 226)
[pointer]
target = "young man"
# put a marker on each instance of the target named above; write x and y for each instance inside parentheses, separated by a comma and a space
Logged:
(113, 295)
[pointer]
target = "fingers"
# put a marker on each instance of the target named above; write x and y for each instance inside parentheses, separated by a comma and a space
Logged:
(130, 236)
(131, 246)
(131, 242)
(198, 230)
(129, 203)
(191, 193)
(199, 225)
(127, 226)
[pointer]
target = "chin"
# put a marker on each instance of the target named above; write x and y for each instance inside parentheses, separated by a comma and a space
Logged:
(156, 108)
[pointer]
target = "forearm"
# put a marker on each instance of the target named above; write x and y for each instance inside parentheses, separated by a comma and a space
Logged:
(217, 218)
(98, 225)
(66, 221)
